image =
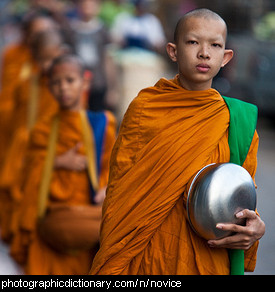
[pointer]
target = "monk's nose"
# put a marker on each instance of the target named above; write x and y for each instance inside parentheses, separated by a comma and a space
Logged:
(204, 53)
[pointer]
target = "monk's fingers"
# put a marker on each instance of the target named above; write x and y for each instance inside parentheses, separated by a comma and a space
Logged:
(81, 163)
(77, 147)
(243, 236)
(249, 214)
(232, 227)
(236, 241)
(100, 196)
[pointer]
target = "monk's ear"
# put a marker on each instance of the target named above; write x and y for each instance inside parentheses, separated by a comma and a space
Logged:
(228, 55)
(172, 51)
(87, 79)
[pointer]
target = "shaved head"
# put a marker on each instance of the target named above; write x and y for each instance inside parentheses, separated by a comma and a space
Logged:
(197, 13)
(68, 58)
(45, 39)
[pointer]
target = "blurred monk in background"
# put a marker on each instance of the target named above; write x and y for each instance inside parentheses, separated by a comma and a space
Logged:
(31, 100)
(17, 65)
(64, 180)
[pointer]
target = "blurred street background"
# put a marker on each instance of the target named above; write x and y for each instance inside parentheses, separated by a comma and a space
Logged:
(140, 60)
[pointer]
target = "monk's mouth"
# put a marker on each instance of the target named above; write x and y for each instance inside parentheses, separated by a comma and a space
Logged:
(203, 68)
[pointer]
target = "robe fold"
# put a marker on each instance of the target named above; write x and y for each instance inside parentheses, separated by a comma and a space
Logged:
(167, 135)
(66, 187)
(32, 101)
(16, 66)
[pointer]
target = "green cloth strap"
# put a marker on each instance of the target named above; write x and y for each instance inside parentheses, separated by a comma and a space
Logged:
(243, 120)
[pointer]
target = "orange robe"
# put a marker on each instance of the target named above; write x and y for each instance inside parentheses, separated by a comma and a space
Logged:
(167, 135)
(16, 63)
(67, 187)
(24, 115)
(13, 58)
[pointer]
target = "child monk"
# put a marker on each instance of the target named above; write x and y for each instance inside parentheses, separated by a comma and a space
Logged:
(75, 178)
(31, 100)
(169, 132)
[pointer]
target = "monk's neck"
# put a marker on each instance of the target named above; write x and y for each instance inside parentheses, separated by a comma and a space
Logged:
(75, 108)
(195, 86)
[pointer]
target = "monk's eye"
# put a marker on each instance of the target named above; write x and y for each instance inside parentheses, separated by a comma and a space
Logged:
(54, 83)
(192, 42)
(216, 45)
(70, 80)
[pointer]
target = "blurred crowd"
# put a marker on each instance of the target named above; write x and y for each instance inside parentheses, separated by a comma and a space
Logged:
(94, 30)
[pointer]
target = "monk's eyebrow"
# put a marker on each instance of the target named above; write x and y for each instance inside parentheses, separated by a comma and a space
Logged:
(216, 38)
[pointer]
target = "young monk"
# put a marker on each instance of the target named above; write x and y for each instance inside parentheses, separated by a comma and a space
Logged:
(70, 183)
(32, 101)
(17, 65)
(169, 132)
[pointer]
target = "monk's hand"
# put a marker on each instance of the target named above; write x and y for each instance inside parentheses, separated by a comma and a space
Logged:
(72, 160)
(100, 196)
(244, 236)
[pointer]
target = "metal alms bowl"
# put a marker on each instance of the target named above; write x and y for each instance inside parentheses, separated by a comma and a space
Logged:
(216, 194)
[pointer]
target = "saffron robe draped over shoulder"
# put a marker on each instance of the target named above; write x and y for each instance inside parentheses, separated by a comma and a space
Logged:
(167, 135)
(66, 187)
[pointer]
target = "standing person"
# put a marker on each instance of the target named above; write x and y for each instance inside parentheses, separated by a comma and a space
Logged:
(169, 132)
(140, 29)
(61, 175)
(31, 100)
(17, 64)
(110, 9)
(57, 10)
(140, 41)
(91, 39)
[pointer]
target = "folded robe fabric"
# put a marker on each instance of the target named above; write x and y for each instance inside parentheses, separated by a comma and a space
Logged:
(31, 98)
(16, 60)
(167, 135)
